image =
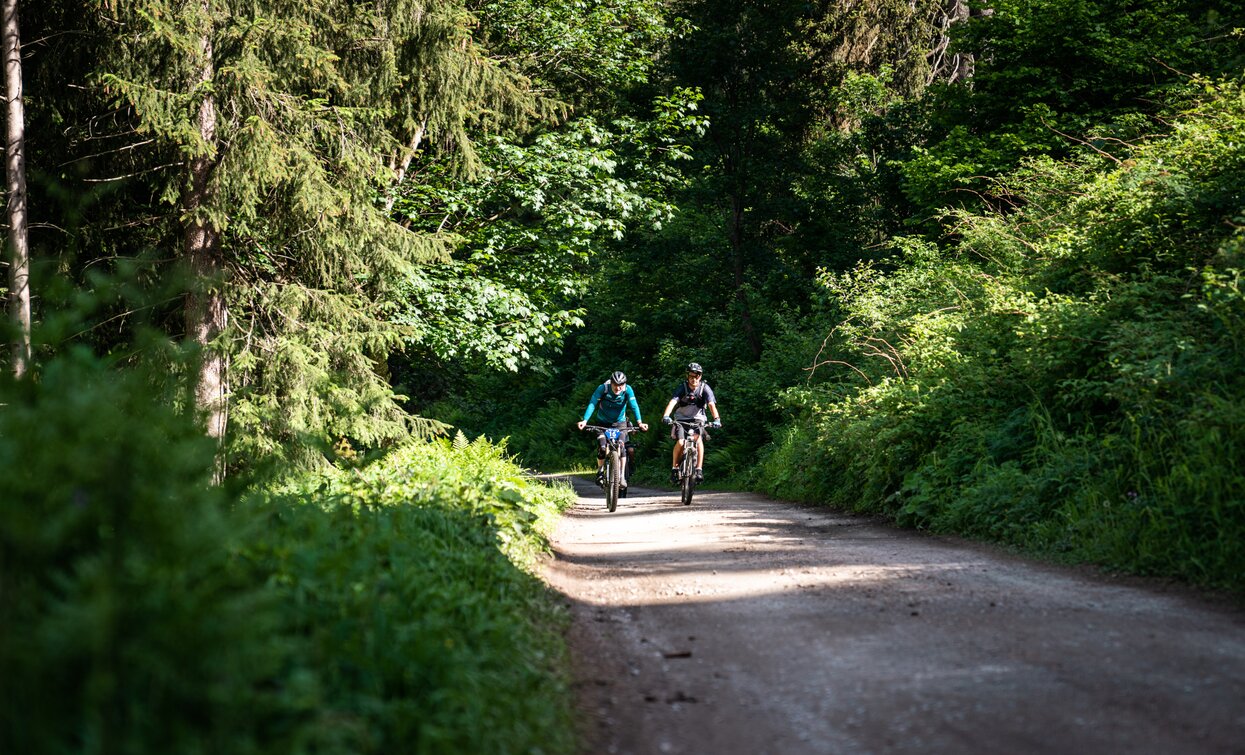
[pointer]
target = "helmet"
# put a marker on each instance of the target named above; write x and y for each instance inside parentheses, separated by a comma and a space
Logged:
(694, 367)
(618, 378)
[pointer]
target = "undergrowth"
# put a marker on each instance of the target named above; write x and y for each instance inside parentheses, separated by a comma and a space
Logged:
(1067, 377)
(388, 608)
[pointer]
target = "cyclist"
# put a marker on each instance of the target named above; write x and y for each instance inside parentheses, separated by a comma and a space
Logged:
(610, 401)
(688, 403)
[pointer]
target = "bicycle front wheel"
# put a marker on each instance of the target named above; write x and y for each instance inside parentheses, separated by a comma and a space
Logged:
(614, 483)
(689, 475)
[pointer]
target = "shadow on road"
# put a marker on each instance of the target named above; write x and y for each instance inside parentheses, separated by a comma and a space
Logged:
(741, 624)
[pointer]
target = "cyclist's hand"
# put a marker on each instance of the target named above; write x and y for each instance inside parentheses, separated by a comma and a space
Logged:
(666, 420)
(716, 423)
(581, 424)
(644, 427)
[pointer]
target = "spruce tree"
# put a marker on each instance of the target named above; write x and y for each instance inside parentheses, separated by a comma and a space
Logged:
(284, 117)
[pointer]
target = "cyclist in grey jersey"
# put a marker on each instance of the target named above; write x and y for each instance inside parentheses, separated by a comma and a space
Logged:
(689, 402)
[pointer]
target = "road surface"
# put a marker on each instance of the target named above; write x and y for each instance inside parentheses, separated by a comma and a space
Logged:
(741, 624)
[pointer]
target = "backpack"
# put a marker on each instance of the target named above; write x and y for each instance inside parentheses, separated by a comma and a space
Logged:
(694, 397)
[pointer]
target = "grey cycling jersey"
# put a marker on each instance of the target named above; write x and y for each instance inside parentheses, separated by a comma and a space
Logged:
(691, 405)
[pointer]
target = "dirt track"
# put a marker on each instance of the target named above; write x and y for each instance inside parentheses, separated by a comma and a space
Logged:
(744, 625)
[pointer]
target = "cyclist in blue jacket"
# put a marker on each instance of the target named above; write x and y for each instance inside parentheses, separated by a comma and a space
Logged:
(610, 401)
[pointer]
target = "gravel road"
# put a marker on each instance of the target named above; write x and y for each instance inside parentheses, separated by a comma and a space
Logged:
(745, 625)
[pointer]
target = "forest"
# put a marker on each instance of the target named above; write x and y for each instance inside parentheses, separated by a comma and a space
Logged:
(300, 292)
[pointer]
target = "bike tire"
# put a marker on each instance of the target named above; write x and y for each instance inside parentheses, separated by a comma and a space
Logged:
(613, 482)
(689, 475)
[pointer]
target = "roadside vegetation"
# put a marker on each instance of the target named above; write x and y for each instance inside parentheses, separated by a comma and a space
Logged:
(290, 283)
(388, 606)
(1066, 376)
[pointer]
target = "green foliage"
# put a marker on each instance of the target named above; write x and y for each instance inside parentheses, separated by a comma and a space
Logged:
(315, 105)
(590, 53)
(1053, 73)
(477, 477)
(530, 227)
(125, 625)
(1067, 377)
(385, 608)
(417, 631)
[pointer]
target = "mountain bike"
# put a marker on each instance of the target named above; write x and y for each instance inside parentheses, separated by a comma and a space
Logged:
(617, 461)
(687, 467)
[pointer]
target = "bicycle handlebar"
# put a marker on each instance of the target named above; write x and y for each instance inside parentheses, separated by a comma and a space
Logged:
(696, 423)
(629, 428)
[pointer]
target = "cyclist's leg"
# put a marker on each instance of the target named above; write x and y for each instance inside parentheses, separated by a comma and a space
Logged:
(676, 456)
(628, 457)
(698, 437)
(676, 432)
(601, 454)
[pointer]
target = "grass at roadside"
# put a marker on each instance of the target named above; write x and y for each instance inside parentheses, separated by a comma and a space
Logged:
(390, 608)
(425, 625)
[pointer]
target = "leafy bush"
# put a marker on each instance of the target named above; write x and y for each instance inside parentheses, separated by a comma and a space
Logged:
(124, 626)
(418, 631)
(1066, 377)
(372, 610)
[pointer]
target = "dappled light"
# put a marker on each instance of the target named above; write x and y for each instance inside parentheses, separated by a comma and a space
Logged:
(738, 623)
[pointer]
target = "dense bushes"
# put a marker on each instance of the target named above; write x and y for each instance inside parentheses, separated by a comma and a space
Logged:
(422, 635)
(374, 610)
(124, 626)
(1066, 377)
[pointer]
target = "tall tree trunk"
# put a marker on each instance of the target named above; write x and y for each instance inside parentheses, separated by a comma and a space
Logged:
(15, 164)
(206, 311)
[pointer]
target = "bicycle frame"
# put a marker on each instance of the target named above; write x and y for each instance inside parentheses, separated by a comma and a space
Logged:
(692, 431)
(616, 458)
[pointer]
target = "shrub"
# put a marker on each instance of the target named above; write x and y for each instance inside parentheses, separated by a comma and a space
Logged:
(124, 626)
(380, 609)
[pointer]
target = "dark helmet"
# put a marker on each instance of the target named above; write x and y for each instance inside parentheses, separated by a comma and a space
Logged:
(694, 367)
(618, 378)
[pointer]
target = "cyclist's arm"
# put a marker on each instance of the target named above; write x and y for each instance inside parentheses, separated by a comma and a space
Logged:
(592, 403)
(669, 407)
(711, 403)
(635, 405)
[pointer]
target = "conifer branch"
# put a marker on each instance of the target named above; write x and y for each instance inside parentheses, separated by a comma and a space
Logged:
(134, 174)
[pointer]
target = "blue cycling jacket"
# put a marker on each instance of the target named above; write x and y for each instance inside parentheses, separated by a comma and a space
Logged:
(611, 407)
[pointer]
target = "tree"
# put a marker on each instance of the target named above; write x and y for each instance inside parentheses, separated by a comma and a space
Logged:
(273, 126)
(15, 168)
(548, 205)
(1048, 73)
(206, 310)
(772, 75)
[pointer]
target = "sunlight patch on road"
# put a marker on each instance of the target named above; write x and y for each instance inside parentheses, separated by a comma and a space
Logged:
(688, 584)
